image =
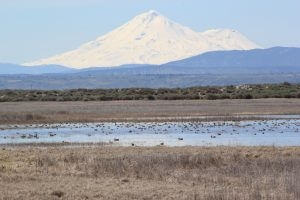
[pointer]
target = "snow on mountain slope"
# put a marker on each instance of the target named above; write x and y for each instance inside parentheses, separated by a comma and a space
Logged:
(149, 38)
(227, 39)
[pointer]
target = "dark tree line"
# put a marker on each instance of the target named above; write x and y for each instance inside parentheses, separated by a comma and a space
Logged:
(284, 90)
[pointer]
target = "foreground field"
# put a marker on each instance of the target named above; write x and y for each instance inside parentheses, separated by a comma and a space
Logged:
(102, 172)
(58, 112)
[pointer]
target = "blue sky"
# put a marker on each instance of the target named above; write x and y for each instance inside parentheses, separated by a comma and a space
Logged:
(33, 29)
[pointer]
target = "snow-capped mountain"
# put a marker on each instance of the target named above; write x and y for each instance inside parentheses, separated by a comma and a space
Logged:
(149, 38)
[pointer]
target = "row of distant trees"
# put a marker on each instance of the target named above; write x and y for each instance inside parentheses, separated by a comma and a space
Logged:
(284, 90)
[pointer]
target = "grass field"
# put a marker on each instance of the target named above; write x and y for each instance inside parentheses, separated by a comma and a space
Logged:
(102, 172)
(58, 112)
(63, 171)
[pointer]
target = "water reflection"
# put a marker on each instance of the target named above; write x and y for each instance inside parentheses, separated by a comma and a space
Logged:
(283, 132)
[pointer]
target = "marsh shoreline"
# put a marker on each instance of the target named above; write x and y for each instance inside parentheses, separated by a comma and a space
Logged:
(143, 111)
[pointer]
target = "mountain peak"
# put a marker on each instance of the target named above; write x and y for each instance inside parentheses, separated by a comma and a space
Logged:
(149, 38)
(148, 17)
(153, 13)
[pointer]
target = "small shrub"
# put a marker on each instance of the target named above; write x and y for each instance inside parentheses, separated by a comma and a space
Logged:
(150, 97)
(212, 97)
(248, 96)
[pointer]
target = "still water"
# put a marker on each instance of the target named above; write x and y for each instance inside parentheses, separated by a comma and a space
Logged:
(277, 132)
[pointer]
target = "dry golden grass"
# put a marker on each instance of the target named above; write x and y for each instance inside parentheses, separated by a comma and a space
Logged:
(57, 112)
(150, 173)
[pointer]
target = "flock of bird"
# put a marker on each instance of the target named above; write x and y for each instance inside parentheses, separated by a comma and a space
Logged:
(213, 129)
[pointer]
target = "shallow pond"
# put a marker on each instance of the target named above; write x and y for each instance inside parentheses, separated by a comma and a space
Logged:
(278, 132)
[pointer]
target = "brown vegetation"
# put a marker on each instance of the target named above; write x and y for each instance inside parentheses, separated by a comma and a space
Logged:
(150, 173)
(56, 112)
